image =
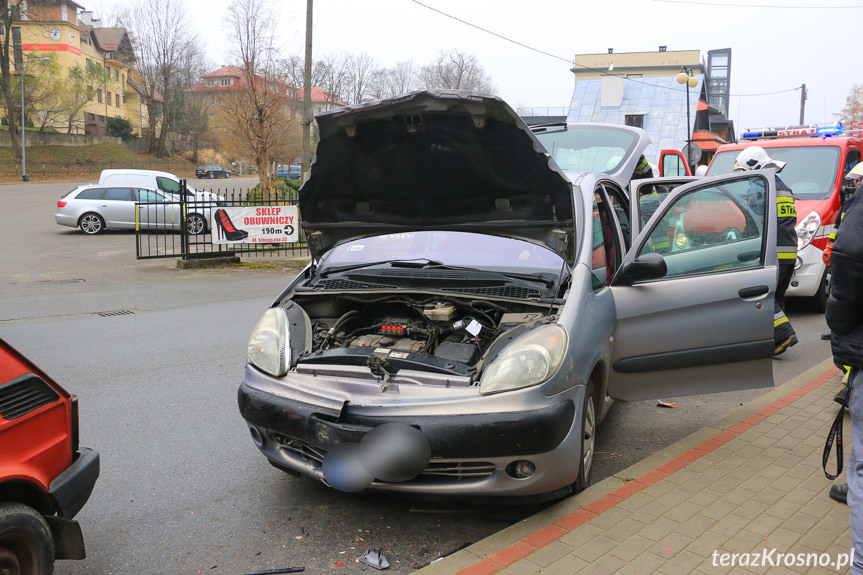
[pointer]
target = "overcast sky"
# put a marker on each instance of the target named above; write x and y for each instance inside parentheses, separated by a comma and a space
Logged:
(776, 46)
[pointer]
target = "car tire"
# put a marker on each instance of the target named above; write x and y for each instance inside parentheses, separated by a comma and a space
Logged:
(91, 224)
(212, 175)
(818, 302)
(588, 439)
(196, 224)
(26, 546)
(227, 175)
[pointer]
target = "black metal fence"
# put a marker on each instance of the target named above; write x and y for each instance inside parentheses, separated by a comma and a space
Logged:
(183, 229)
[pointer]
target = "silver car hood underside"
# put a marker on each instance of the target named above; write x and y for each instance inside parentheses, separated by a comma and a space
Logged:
(442, 160)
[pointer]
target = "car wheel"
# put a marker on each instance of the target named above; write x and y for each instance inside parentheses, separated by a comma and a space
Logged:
(227, 175)
(588, 439)
(818, 302)
(91, 224)
(196, 224)
(26, 547)
(212, 175)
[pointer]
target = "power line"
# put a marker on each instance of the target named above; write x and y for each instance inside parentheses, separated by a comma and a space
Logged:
(782, 6)
(568, 61)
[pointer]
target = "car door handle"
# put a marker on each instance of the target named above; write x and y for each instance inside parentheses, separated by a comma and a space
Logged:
(754, 291)
(748, 256)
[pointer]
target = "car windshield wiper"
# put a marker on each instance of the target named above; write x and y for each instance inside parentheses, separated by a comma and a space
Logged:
(411, 263)
(514, 275)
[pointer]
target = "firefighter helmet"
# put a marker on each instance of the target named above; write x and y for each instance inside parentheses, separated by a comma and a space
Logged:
(755, 158)
(856, 172)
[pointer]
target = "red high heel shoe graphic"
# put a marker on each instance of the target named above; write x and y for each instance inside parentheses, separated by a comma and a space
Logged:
(226, 228)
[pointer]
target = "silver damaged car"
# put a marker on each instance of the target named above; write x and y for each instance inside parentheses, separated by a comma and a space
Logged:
(478, 294)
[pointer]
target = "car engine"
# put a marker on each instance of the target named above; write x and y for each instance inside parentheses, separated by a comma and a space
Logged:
(446, 334)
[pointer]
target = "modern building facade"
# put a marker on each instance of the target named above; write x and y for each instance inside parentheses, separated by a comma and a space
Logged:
(642, 89)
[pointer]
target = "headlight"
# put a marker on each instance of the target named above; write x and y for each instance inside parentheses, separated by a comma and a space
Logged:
(268, 345)
(527, 361)
(806, 229)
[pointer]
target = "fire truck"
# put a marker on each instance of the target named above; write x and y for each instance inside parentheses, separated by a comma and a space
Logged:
(818, 157)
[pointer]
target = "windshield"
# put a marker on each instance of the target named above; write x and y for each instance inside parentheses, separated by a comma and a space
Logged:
(589, 149)
(449, 248)
(810, 171)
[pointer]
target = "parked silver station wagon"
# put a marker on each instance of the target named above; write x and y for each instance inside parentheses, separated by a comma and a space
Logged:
(476, 299)
(98, 207)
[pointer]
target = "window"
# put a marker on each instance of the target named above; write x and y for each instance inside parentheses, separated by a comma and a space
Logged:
(99, 95)
(87, 64)
(119, 194)
(89, 92)
(635, 120)
(92, 194)
(713, 228)
(219, 82)
(116, 74)
(109, 98)
(170, 186)
(607, 252)
(149, 196)
(851, 160)
(117, 100)
(108, 71)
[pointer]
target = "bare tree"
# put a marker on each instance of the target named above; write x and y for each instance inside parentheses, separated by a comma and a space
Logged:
(167, 52)
(12, 12)
(362, 68)
(456, 70)
(75, 94)
(853, 111)
(402, 78)
(260, 110)
(196, 120)
(334, 76)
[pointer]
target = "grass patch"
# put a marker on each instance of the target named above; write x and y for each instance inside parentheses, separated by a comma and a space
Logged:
(85, 162)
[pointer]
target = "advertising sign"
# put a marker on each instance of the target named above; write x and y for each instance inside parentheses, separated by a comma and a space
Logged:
(255, 225)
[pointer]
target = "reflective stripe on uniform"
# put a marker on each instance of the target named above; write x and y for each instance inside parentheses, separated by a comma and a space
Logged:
(786, 252)
(777, 321)
(785, 207)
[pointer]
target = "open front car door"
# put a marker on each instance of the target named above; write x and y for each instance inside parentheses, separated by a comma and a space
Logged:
(694, 295)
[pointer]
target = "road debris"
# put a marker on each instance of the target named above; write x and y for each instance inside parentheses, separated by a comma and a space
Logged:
(664, 404)
(375, 558)
(278, 571)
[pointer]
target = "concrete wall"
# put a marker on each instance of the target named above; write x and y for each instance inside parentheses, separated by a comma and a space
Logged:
(50, 139)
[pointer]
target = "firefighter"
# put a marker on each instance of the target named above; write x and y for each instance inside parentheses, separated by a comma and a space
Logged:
(755, 158)
(643, 169)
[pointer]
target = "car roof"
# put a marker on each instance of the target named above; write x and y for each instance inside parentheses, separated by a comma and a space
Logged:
(138, 172)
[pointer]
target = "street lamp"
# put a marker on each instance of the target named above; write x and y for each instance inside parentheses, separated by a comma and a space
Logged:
(686, 77)
(24, 177)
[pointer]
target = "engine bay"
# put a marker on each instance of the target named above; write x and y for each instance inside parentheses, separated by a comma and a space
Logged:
(389, 332)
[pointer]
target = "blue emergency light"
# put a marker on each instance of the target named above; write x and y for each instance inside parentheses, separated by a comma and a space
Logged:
(813, 130)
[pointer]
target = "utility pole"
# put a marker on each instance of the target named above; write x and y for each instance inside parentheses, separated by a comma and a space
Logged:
(802, 101)
(307, 93)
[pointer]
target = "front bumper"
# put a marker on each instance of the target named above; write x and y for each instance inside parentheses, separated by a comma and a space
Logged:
(470, 448)
(71, 489)
(808, 273)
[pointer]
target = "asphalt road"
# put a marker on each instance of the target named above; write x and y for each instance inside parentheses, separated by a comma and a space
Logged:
(155, 354)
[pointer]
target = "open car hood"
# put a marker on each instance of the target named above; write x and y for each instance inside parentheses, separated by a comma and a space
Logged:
(439, 160)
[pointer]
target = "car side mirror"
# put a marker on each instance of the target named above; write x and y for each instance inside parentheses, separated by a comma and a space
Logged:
(644, 267)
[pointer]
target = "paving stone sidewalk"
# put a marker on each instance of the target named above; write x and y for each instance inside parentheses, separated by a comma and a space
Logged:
(750, 484)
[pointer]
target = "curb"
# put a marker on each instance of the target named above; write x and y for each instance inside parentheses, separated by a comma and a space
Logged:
(504, 548)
